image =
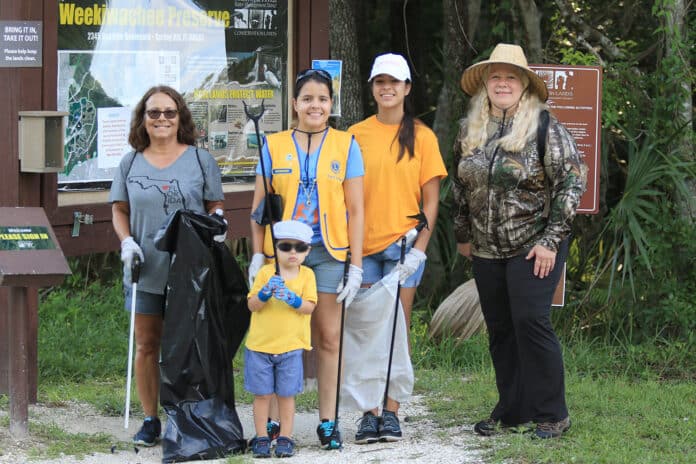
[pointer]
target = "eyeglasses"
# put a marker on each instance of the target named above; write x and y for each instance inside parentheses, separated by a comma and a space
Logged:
(313, 72)
(155, 114)
(287, 246)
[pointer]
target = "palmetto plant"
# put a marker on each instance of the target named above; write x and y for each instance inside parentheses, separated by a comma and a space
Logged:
(653, 175)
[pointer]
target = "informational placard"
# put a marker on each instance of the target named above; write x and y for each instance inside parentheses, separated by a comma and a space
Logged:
(335, 70)
(25, 238)
(575, 98)
(21, 44)
(216, 53)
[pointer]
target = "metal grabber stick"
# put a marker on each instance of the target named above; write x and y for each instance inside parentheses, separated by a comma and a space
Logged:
(135, 276)
(422, 223)
(346, 269)
(267, 213)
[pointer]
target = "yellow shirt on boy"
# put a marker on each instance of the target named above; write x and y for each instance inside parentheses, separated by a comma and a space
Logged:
(277, 328)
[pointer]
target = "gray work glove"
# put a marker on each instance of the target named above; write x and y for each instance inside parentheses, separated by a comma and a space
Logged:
(256, 263)
(412, 261)
(348, 291)
(223, 236)
(128, 251)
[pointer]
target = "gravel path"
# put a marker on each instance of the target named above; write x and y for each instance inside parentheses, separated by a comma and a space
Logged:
(423, 441)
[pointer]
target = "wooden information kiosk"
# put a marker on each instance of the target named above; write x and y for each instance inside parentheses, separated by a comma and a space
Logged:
(30, 257)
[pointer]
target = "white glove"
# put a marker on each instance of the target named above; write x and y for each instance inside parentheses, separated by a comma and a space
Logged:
(348, 291)
(223, 236)
(257, 261)
(128, 251)
(412, 261)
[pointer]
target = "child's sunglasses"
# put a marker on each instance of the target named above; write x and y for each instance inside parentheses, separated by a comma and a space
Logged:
(287, 246)
(155, 114)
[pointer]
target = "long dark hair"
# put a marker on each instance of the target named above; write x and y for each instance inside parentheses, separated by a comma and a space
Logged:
(407, 130)
(138, 137)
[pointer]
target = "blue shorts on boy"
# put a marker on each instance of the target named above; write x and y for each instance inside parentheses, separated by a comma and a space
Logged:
(281, 374)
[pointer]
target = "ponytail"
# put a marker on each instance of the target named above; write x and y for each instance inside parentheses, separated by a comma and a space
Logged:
(407, 131)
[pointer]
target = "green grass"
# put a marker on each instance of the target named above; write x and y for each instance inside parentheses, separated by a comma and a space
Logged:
(630, 403)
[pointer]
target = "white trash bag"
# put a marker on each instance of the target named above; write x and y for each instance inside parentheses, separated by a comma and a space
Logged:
(366, 340)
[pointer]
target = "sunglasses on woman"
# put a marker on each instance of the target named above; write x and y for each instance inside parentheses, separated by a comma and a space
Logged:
(287, 246)
(155, 114)
(320, 73)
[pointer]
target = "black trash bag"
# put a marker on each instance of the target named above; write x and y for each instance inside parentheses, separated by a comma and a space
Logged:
(205, 320)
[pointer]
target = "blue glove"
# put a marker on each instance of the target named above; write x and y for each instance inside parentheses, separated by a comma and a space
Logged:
(267, 291)
(283, 293)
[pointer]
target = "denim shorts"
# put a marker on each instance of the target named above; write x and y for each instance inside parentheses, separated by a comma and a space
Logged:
(145, 302)
(265, 373)
(377, 265)
(328, 271)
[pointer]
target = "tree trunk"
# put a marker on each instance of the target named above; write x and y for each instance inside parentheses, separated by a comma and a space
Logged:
(342, 46)
(531, 18)
(460, 21)
(677, 50)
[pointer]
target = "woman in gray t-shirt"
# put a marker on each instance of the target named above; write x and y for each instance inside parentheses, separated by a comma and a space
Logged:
(165, 173)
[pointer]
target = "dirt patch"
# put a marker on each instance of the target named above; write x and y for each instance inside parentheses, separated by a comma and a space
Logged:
(424, 442)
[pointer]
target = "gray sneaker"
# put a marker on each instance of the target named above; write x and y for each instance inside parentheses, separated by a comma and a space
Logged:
(551, 429)
(368, 430)
(389, 428)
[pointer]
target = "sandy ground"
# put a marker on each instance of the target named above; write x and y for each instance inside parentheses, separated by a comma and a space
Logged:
(423, 441)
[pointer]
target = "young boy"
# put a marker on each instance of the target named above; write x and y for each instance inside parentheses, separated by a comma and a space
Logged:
(281, 306)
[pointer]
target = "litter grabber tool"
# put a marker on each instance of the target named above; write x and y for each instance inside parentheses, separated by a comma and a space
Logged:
(396, 315)
(271, 202)
(346, 268)
(135, 276)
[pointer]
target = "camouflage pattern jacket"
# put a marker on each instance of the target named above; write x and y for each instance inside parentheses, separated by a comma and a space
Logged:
(501, 197)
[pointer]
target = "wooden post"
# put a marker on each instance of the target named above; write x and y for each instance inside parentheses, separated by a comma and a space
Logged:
(19, 364)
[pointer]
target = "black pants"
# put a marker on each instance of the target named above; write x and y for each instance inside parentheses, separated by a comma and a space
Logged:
(526, 354)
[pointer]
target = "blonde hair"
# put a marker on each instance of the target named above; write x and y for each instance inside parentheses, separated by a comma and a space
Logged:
(524, 126)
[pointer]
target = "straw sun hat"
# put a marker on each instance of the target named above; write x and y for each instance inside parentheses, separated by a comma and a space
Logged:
(505, 54)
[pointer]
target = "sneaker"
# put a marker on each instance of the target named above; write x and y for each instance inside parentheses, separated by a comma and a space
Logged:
(368, 430)
(389, 428)
(285, 447)
(486, 427)
(149, 433)
(273, 429)
(491, 426)
(261, 447)
(329, 436)
(552, 429)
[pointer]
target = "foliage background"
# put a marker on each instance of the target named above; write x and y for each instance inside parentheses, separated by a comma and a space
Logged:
(631, 271)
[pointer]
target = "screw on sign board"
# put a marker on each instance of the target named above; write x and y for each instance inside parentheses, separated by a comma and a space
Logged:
(30, 256)
(575, 98)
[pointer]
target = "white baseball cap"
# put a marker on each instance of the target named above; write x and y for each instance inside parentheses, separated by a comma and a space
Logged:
(293, 230)
(391, 64)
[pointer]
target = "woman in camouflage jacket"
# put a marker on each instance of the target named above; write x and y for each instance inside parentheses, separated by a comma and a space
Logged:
(514, 211)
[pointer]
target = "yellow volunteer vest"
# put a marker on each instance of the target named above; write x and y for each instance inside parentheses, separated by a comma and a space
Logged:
(331, 172)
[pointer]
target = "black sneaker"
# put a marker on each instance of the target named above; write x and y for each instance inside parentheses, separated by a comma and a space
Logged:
(552, 429)
(389, 428)
(261, 447)
(487, 427)
(149, 433)
(368, 430)
(329, 436)
(273, 429)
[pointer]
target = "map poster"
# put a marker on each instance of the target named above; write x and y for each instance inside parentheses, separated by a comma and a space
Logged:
(575, 98)
(219, 54)
(334, 68)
